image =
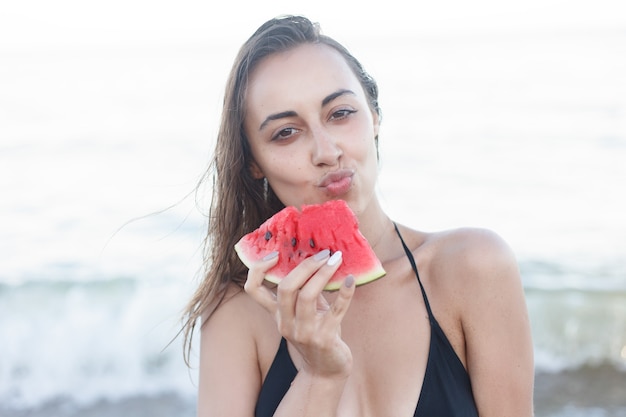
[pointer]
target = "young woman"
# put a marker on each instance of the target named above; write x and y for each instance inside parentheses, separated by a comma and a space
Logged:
(445, 333)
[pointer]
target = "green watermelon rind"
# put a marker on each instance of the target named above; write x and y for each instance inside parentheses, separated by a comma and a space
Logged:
(359, 279)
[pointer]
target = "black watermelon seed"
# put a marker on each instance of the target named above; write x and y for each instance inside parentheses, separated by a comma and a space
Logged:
(293, 241)
(268, 235)
(312, 243)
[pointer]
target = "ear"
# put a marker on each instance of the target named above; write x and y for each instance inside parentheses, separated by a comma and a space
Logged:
(255, 170)
(376, 121)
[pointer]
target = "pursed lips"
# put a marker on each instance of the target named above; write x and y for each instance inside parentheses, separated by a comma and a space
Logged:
(334, 177)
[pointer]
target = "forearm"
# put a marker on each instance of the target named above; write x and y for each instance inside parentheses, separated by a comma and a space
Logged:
(312, 396)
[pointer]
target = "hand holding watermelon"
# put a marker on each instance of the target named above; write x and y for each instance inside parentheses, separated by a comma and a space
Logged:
(302, 313)
(306, 252)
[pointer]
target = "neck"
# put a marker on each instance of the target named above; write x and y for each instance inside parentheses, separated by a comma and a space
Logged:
(375, 225)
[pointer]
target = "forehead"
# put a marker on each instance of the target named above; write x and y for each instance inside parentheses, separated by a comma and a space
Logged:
(307, 72)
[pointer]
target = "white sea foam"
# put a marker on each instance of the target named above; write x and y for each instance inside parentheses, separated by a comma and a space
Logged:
(90, 341)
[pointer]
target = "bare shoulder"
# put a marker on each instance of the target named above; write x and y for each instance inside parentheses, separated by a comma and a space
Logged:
(468, 242)
(236, 308)
(237, 318)
(470, 256)
(473, 279)
(481, 277)
(467, 270)
(228, 323)
(229, 355)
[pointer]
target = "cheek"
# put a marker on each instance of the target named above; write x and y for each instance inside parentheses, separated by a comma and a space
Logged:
(365, 146)
(281, 166)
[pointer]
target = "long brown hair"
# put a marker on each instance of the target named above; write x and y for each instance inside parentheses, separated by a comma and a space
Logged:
(240, 203)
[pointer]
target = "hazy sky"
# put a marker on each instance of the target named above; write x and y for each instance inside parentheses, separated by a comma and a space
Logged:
(79, 22)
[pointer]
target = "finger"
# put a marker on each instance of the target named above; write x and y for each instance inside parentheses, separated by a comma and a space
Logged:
(302, 272)
(309, 302)
(289, 287)
(339, 307)
(254, 283)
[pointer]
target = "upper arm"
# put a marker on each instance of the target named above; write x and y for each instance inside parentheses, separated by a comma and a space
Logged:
(497, 330)
(229, 375)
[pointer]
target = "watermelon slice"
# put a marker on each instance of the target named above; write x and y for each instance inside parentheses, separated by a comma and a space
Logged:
(296, 235)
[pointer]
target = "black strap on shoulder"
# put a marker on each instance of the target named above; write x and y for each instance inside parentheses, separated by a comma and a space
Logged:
(414, 266)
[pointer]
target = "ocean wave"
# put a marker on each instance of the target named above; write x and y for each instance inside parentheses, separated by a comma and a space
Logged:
(573, 328)
(575, 274)
(88, 341)
(111, 338)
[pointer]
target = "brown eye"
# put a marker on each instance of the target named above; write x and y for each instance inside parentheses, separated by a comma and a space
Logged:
(342, 114)
(285, 133)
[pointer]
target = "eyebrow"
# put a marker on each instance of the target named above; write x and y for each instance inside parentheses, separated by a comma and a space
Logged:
(291, 113)
(336, 94)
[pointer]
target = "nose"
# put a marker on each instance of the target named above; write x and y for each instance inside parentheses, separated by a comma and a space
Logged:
(325, 148)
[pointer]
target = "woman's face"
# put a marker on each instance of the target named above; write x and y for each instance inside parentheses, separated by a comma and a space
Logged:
(310, 128)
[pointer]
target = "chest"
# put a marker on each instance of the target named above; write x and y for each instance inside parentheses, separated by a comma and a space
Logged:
(388, 332)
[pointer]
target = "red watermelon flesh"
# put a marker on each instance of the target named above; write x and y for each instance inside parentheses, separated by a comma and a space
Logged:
(296, 235)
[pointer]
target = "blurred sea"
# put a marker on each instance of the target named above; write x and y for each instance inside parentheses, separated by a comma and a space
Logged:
(100, 236)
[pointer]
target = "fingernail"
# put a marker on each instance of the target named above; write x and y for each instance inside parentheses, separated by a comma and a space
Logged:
(270, 255)
(321, 255)
(348, 281)
(334, 259)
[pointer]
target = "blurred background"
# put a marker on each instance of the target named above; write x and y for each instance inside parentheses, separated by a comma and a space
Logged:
(498, 114)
